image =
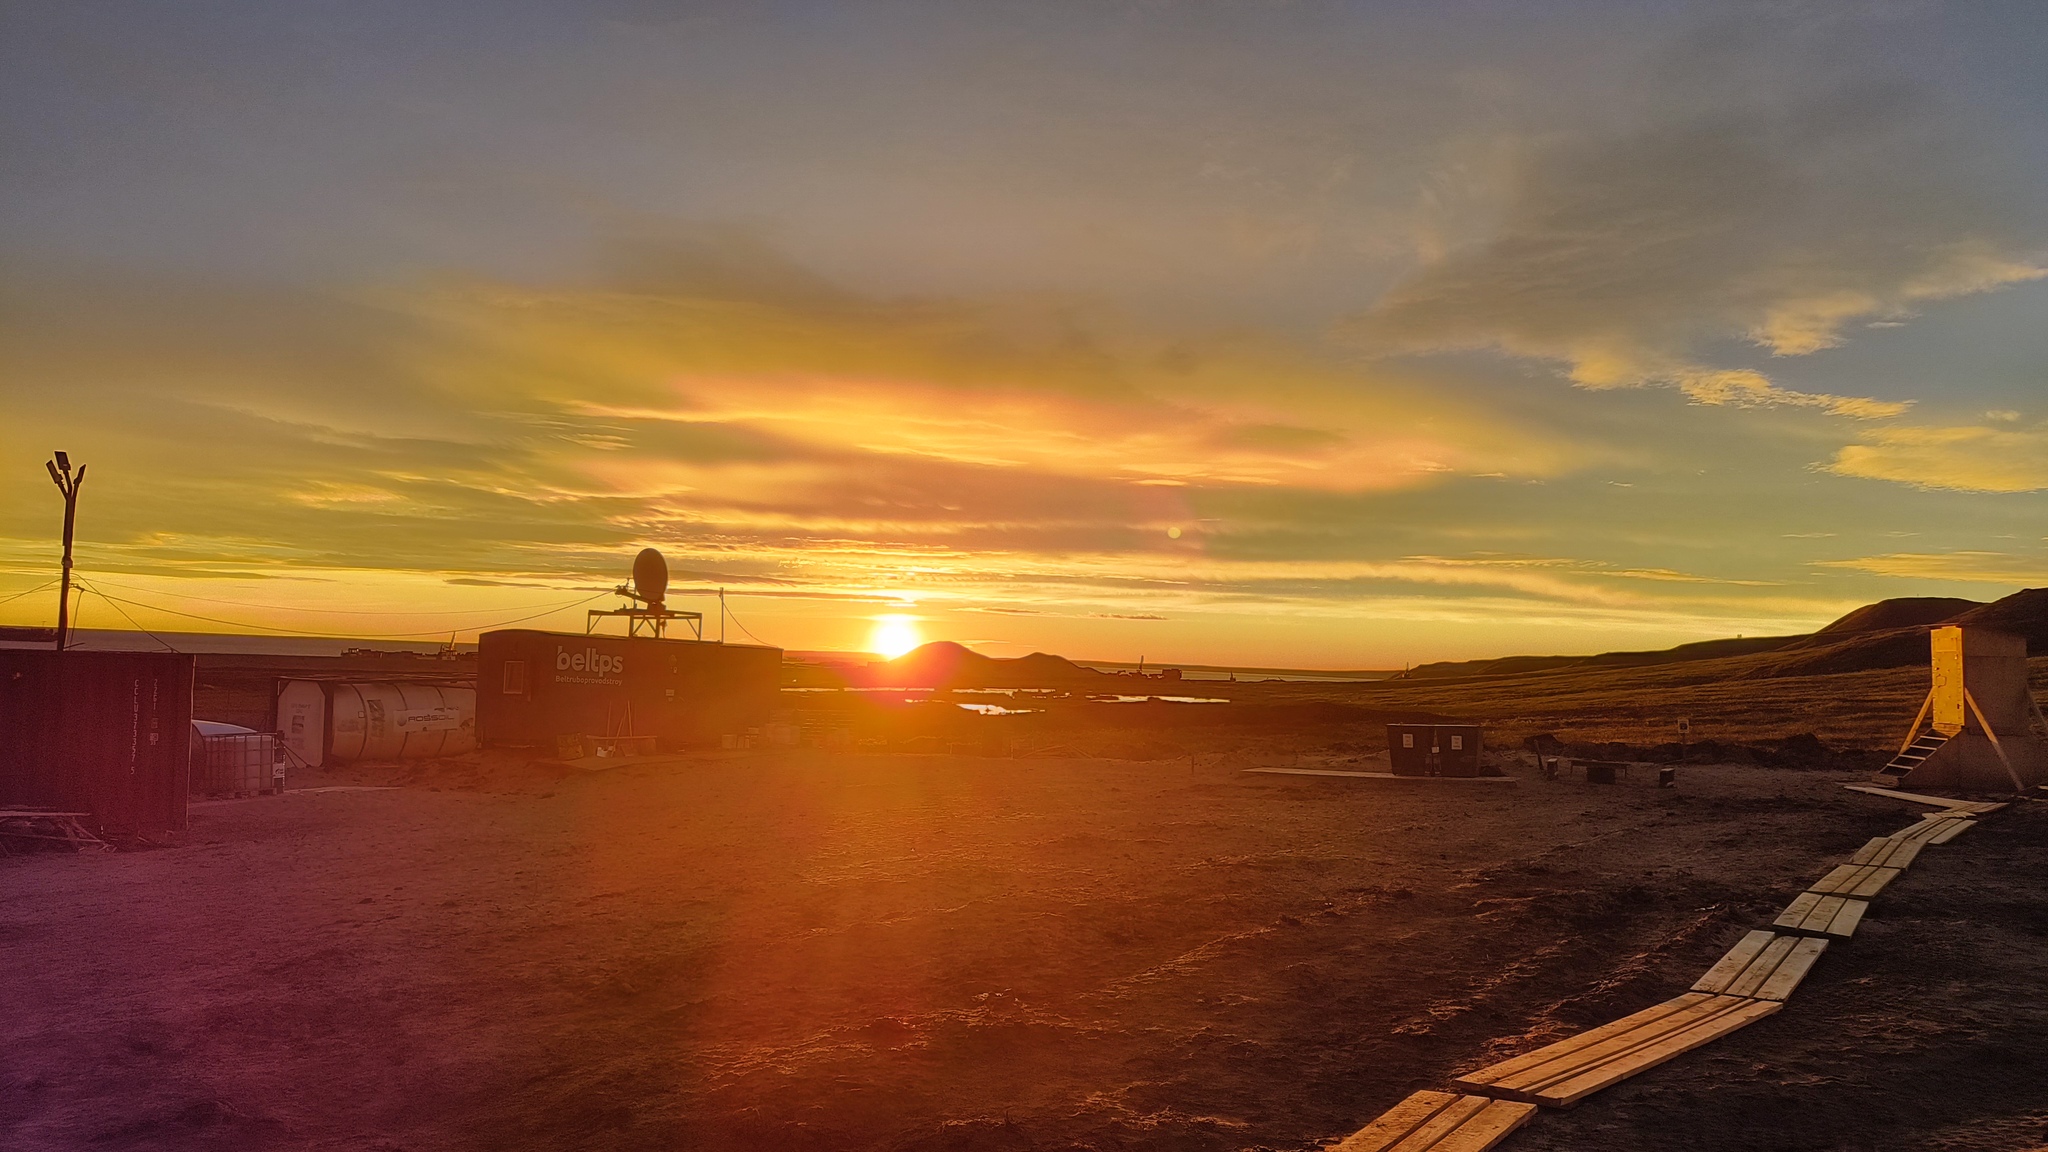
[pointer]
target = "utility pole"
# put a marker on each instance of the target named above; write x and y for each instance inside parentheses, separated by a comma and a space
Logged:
(60, 475)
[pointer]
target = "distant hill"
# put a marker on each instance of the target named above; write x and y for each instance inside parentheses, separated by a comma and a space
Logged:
(1899, 612)
(2022, 613)
(1511, 665)
(1887, 634)
(946, 664)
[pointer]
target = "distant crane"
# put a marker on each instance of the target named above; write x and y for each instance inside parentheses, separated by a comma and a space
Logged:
(60, 475)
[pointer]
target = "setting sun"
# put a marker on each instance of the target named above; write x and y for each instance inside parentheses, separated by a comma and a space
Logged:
(893, 636)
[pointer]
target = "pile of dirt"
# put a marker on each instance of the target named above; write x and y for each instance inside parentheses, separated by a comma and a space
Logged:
(1802, 750)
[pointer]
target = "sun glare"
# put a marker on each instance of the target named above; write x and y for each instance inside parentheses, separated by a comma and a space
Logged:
(893, 636)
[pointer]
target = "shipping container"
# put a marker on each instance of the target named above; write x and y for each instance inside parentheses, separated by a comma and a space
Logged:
(533, 687)
(103, 733)
(1435, 749)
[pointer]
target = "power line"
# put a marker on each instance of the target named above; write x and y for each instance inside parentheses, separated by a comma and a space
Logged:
(124, 613)
(350, 636)
(303, 608)
(736, 620)
(30, 592)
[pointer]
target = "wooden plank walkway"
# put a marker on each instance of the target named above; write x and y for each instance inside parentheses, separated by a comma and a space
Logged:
(1914, 797)
(1813, 913)
(1763, 966)
(1751, 982)
(1887, 852)
(1439, 1122)
(1937, 829)
(1564, 1073)
(1862, 881)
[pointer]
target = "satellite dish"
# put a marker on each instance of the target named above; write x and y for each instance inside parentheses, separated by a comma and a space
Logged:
(650, 577)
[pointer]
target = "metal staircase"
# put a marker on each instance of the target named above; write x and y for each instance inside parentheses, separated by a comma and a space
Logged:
(1914, 754)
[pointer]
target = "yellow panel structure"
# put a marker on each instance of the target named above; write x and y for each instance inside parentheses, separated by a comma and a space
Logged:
(1950, 712)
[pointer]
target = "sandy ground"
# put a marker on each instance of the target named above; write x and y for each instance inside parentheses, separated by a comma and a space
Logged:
(810, 951)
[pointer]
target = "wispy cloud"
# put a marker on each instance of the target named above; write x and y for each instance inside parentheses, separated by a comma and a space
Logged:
(1966, 458)
(2004, 568)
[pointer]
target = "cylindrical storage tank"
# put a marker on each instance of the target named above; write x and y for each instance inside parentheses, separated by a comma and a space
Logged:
(388, 720)
(302, 719)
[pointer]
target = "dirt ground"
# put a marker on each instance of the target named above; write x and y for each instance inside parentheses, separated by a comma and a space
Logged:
(814, 951)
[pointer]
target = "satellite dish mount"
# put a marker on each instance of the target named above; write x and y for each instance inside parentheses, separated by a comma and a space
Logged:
(648, 612)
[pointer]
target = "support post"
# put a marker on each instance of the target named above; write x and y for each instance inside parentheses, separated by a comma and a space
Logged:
(1971, 700)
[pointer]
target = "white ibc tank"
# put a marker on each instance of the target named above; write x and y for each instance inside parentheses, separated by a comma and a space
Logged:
(399, 721)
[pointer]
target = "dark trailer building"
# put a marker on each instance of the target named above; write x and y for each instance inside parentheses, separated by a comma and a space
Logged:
(533, 687)
(1436, 749)
(103, 733)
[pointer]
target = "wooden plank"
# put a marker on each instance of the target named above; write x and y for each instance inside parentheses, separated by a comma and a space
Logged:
(1797, 963)
(1530, 1083)
(1847, 917)
(1955, 828)
(1384, 776)
(1931, 827)
(1759, 970)
(1439, 1122)
(1862, 881)
(1435, 1129)
(1726, 969)
(1915, 797)
(1811, 912)
(1396, 1123)
(1492, 1125)
(1887, 852)
(1570, 1092)
(1493, 1073)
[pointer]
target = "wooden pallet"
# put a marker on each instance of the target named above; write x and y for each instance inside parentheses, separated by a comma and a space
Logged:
(22, 827)
(1887, 852)
(1763, 966)
(1439, 1122)
(1811, 913)
(1862, 881)
(1568, 1071)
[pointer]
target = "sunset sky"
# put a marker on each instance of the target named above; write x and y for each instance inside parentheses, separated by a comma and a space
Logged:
(1283, 334)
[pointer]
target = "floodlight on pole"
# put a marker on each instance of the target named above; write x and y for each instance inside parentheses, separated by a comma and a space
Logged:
(60, 475)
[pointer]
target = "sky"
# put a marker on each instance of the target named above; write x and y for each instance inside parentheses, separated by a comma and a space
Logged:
(1275, 334)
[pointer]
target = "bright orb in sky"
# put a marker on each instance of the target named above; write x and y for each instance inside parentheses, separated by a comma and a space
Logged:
(893, 636)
